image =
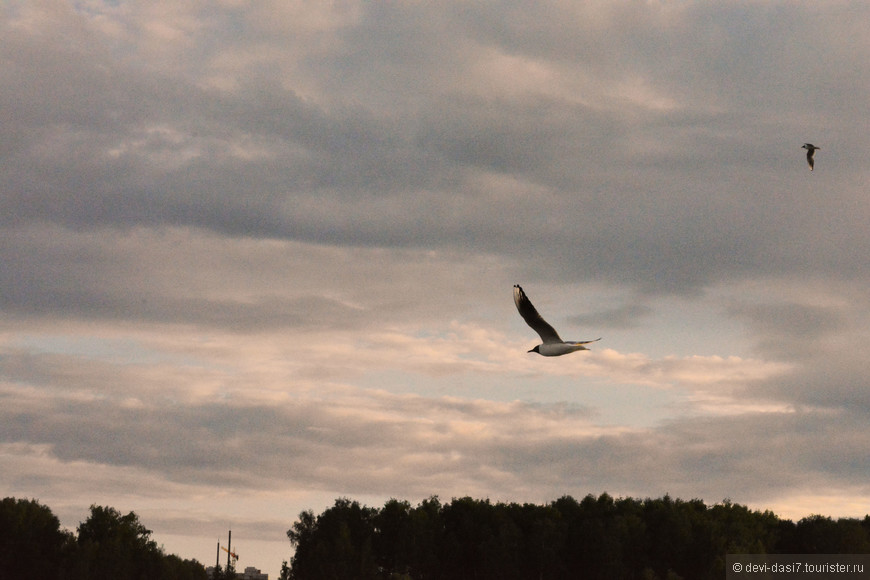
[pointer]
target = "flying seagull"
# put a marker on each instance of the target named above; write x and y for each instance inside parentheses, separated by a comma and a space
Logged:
(553, 345)
(810, 150)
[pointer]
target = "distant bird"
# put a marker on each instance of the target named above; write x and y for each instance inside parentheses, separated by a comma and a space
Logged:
(553, 344)
(811, 149)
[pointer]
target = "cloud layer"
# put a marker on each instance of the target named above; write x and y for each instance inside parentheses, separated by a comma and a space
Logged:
(254, 256)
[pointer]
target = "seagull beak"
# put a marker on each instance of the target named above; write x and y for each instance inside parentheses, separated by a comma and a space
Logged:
(533, 350)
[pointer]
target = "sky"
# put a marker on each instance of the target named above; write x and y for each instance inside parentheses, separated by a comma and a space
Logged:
(259, 255)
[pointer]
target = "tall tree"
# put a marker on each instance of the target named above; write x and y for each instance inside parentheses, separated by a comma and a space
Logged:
(335, 545)
(32, 545)
(117, 547)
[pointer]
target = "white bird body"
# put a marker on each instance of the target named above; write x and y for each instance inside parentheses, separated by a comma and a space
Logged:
(553, 345)
(560, 348)
(811, 149)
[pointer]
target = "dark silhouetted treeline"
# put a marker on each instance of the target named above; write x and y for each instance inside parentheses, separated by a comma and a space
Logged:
(107, 546)
(596, 538)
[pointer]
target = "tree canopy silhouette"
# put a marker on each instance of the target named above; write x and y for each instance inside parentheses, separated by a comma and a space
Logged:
(108, 546)
(595, 538)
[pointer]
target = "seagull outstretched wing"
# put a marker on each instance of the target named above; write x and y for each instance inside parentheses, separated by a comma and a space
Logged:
(530, 315)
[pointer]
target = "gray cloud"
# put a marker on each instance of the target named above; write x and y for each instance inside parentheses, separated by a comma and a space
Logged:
(412, 445)
(628, 316)
(635, 195)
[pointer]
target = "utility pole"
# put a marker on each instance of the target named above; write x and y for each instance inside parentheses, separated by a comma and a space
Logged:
(229, 547)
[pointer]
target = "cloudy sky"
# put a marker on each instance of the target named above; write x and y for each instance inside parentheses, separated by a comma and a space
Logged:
(258, 255)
